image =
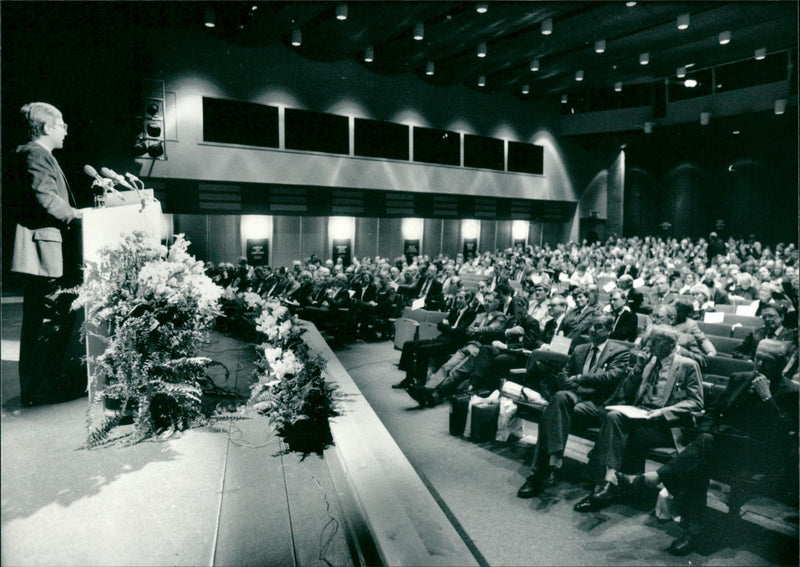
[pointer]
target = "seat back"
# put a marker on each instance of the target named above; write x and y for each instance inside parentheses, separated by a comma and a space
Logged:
(427, 331)
(725, 365)
(718, 329)
(724, 345)
(405, 330)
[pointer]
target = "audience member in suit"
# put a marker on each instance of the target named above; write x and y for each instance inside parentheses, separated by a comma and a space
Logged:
(486, 327)
(429, 288)
(589, 379)
(633, 298)
(772, 316)
(716, 246)
(363, 302)
(44, 211)
(688, 345)
(416, 355)
(332, 312)
(626, 323)
(760, 406)
(539, 305)
(300, 296)
(505, 293)
(685, 325)
(661, 294)
(454, 285)
(669, 387)
(554, 325)
(628, 267)
(578, 320)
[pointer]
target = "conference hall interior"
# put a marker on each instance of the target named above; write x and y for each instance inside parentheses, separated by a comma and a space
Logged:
(399, 283)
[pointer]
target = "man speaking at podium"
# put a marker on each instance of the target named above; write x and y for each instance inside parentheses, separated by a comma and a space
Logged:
(45, 214)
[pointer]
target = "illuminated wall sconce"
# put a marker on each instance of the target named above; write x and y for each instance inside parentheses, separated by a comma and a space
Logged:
(482, 81)
(761, 53)
(369, 54)
(411, 229)
(547, 26)
(297, 38)
(600, 46)
(429, 68)
(419, 31)
(579, 75)
(341, 228)
(644, 58)
(526, 89)
(534, 65)
(519, 230)
(470, 228)
(683, 21)
(618, 86)
(210, 18)
(482, 7)
(482, 49)
(725, 38)
(648, 127)
(256, 226)
(705, 117)
(681, 72)
(341, 12)
(780, 106)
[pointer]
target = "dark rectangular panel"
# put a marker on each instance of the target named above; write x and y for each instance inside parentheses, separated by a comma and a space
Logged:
(480, 151)
(234, 122)
(525, 158)
(373, 138)
(437, 146)
(316, 132)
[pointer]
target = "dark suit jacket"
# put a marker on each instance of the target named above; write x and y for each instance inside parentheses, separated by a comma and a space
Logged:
(301, 294)
(747, 349)
(531, 338)
(626, 327)
(609, 370)
(635, 300)
(577, 323)
(633, 271)
(550, 329)
(364, 296)
(42, 211)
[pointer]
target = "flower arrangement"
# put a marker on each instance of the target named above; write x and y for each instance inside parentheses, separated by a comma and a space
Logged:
(151, 306)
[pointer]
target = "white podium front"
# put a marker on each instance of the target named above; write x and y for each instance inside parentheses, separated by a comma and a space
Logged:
(105, 226)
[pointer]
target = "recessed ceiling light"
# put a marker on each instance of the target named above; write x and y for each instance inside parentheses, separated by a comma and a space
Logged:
(526, 89)
(644, 58)
(600, 46)
(780, 106)
(630, 3)
(429, 68)
(618, 86)
(419, 31)
(704, 118)
(690, 83)
(761, 53)
(736, 132)
(681, 72)
(210, 18)
(579, 75)
(369, 54)
(482, 49)
(534, 64)
(481, 7)
(725, 38)
(547, 26)
(341, 12)
(683, 21)
(482, 81)
(564, 99)
(297, 37)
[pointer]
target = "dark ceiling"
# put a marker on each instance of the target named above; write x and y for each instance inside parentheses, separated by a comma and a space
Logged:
(512, 32)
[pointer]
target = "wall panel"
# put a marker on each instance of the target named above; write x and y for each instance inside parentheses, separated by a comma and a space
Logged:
(225, 238)
(195, 227)
(487, 240)
(390, 238)
(366, 243)
(314, 238)
(286, 242)
(432, 237)
(451, 239)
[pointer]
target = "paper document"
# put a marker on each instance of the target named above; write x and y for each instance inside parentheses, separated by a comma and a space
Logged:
(418, 303)
(714, 317)
(749, 310)
(560, 344)
(637, 283)
(632, 412)
(609, 286)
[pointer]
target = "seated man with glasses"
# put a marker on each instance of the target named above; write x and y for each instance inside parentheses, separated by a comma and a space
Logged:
(772, 316)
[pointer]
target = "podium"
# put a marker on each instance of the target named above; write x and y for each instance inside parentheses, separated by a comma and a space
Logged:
(124, 214)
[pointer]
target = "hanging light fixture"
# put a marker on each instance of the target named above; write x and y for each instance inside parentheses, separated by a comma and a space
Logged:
(534, 65)
(526, 89)
(341, 12)
(482, 49)
(482, 81)
(600, 46)
(761, 53)
(297, 38)
(547, 26)
(482, 7)
(683, 21)
(369, 54)
(429, 68)
(419, 31)
(618, 86)
(210, 18)
(644, 58)
(725, 38)
(681, 72)
(579, 75)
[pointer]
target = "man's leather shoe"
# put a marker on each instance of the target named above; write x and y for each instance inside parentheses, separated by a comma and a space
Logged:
(422, 395)
(602, 497)
(532, 487)
(403, 384)
(552, 478)
(631, 483)
(684, 545)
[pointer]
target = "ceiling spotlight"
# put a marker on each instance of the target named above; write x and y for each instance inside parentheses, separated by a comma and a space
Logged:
(579, 75)
(419, 31)
(780, 106)
(429, 68)
(534, 64)
(297, 38)
(689, 65)
(210, 17)
(761, 53)
(648, 127)
(526, 89)
(704, 118)
(683, 21)
(254, 7)
(563, 99)
(341, 12)
(369, 54)
(482, 81)
(547, 26)
(600, 46)
(630, 3)
(725, 38)
(690, 83)
(482, 49)
(644, 58)
(681, 72)
(736, 132)
(482, 7)
(618, 86)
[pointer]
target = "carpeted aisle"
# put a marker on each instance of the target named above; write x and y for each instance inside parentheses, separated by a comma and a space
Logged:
(477, 483)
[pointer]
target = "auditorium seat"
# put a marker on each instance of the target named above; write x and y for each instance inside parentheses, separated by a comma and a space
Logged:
(717, 329)
(724, 345)
(726, 365)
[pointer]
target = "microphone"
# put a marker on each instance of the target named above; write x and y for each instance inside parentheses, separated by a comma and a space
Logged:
(133, 179)
(116, 177)
(106, 184)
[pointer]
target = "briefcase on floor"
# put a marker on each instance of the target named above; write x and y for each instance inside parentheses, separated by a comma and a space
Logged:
(458, 413)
